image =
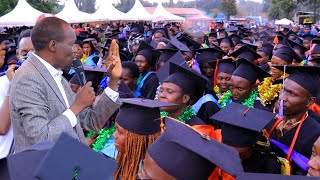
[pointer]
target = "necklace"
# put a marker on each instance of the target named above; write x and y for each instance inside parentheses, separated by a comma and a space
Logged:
(226, 97)
(103, 136)
(185, 116)
(267, 91)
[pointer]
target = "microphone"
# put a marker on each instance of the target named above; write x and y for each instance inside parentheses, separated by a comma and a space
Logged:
(78, 68)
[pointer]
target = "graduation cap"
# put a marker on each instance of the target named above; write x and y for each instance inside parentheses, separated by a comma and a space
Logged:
(114, 35)
(297, 46)
(189, 81)
(181, 147)
(137, 28)
(262, 176)
(249, 71)
(89, 40)
(189, 42)
(147, 51)
(248, 43)
(144, 115)
(68, 155)
(306, 76)
(308, 37)
(223, 31)
(287, 54)
(224, 65)
(178, 45)
(124, 91)
(213, 34)
(166, 54)
(242, 125)
(163, 31)
(226, 40)
(93, 74)
(209, 54)
(79, 41)
(235, 38)
(177, 59)
(247, 53)
(315, 50)
(279, 39)
(267, 49)
(21, 165)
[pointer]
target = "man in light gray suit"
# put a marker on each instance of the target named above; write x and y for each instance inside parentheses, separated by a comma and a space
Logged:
(42, 104)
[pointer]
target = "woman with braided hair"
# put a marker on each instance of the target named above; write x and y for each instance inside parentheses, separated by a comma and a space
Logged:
(137, 127)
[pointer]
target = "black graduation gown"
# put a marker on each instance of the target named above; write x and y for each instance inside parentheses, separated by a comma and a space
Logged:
(260, 162)
(207, 110)
(258, 105)
(195, 121)
(309, 133)
(149, 88)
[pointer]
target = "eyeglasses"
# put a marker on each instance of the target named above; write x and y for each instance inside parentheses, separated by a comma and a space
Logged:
(142, 175)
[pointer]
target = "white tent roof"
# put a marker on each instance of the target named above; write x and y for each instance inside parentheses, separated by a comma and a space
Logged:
(108, 12)
(71, 13)
(161, 12)
(284, 21)
(138, 12)
(22, 15)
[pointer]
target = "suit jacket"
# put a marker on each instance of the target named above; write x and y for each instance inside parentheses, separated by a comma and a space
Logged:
(36, 107)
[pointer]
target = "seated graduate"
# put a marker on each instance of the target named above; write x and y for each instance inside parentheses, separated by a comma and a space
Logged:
(243, 85)
(135, 130)
(182, 87)
(314, 162)
(148, 81)
(294, 132)
(241, 130)
(183, 153)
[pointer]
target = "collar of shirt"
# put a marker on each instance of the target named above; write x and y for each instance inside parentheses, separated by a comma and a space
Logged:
(55, 73)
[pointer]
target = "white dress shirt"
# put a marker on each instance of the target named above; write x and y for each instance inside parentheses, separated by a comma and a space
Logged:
(5, 140)
(57, 76)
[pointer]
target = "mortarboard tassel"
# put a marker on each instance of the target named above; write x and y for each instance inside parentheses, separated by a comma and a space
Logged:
(280, 113)
(276, 40)
(215, 74)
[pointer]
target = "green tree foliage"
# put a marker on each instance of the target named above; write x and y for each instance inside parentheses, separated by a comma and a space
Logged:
(281, 9)
(46, 6)
(87, 6)
(229, 7)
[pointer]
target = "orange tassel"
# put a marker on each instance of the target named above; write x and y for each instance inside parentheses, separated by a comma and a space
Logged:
(276, 40)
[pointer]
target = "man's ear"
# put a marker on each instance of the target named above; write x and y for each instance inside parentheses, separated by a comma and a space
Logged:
(311, 101)
(53, 45)
(186, 98)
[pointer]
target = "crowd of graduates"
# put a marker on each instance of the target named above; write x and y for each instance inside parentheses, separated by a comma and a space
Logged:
(195, 105)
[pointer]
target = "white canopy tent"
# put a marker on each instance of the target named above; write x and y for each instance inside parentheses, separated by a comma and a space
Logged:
(284, 21)
(107, 12)
(138, 12)
(71, 13)
(22, 15)
(161, 12)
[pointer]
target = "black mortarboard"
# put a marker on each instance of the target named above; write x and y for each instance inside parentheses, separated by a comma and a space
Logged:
(166, 54)
(287, 54)
(189, 42)
(262, 176)
(22, 165)
(140, 116)
(242, 125)
(189, 81)
(147, 51)
(178, 45)
(308, 37)
(306, 76)
(248, 43)
(137, 28)
(297, 46)
(223, 31)
(114, 35)
(315, 50)
(181, 147)
(247, 53)
(79, 41)
(235, 38)
(249, 71)
(209, 54)
(279, 39)
(163, 31)
(68, 155)
(226, 40)
(225, 65)
(177, 59)
(124, 91)
(267, 49)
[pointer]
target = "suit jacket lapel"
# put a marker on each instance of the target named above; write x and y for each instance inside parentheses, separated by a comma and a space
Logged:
(47, 76)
